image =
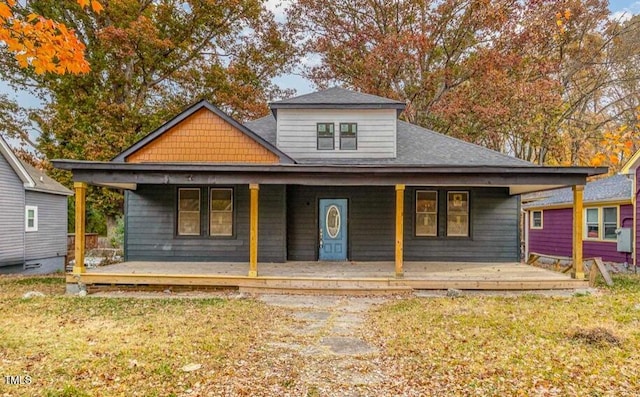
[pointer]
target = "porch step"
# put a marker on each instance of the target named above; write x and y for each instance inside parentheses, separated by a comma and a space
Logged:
(304, 290)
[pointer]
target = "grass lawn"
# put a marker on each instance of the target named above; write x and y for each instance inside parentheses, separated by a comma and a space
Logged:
(72, 346)
(471, 345)
(530, 345)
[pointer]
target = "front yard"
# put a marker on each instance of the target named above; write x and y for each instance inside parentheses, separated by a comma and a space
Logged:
(470, 345)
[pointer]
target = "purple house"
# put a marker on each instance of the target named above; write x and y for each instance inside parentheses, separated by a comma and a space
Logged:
(610, 206)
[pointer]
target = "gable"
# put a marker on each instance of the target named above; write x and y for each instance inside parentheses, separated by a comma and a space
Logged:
(203, 136)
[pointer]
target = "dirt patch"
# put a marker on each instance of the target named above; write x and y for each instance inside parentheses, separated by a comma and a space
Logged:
(597, 336)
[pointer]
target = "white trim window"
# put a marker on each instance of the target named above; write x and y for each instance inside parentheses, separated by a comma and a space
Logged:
(31, 218)
(537, 219)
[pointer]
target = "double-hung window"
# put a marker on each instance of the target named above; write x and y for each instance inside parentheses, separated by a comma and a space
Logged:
(325, 135)
(426, 213)
(348, 136)
(221, 215)
(31, 218)
(189, 212)
(601, 223)
(536, 220)
(458, 214)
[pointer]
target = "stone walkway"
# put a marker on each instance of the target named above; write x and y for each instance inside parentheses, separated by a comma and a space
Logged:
(327, 332)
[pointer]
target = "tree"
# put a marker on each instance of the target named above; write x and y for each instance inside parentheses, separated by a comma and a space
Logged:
(149, 59)
(43, 43)
(530, 78)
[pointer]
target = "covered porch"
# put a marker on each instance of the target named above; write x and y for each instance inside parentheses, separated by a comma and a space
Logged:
(330, 277)
(403, 265)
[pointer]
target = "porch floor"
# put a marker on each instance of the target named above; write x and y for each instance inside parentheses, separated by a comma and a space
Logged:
(323, 277)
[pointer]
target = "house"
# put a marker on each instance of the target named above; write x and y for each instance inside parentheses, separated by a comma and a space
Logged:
(610, 212)
(331, 176)
(33, 217)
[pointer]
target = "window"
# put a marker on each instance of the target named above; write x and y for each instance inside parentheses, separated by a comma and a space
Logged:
(610, 222)
(601, 223)
(189, 212)
(536, 220)
(31, 218)
(221, 216)
(426, 213)
(458, 214)
(593, 225)
(325, 136)
(348, 136)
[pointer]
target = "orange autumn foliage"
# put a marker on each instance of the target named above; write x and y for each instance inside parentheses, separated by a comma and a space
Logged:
(44, 44)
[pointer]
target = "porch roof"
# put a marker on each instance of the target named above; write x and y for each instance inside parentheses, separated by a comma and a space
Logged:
(519, 179)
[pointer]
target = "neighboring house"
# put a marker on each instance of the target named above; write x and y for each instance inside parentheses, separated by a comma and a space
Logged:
(328, 176)
(609, 205)
(33, 217)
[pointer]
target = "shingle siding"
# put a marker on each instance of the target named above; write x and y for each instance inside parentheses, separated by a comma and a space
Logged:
(12, 200)
(151, 224)
(371, 226)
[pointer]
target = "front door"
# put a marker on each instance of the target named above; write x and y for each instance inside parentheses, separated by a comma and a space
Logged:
(333, 230)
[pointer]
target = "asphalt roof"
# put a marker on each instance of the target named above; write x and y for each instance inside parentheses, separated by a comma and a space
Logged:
(415, 146)
(337, 96)
(44, 183)
(617, 187)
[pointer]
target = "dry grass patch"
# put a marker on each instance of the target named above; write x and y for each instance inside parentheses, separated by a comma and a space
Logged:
(528, 345)
(72, 346)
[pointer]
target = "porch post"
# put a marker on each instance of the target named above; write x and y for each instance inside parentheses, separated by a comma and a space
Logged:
(80, 192)
(253, 230)
(399, 229)
(578, 270)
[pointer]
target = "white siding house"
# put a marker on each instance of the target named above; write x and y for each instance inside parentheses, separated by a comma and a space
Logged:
(297, 131)
(33, 217)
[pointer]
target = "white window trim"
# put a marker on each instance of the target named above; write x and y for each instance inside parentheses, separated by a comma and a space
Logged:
(28, 208)
(600, 237)
(532, 223)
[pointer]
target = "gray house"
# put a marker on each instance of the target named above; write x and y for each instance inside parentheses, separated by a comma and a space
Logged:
(33, 217)
(331, 176)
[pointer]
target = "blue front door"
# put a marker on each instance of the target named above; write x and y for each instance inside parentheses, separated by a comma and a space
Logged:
(333, 230)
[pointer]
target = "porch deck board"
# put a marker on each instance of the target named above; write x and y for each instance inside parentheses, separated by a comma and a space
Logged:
(332, 275)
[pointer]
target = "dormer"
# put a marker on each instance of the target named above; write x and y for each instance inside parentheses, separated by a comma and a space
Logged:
(337, 124)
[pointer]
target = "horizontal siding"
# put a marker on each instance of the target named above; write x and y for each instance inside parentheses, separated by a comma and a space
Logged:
(493, 230)
(11, 216)
(556, 236)
(371, 226)
(151, 225)
(637, 209)
(296, 132)
(51, 238)
(370, 221)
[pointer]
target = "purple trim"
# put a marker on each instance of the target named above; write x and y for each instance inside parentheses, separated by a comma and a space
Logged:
(555, 238)
(637, 193)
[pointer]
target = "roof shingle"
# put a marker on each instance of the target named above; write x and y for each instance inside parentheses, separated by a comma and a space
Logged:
(416, 146)
(616, 187)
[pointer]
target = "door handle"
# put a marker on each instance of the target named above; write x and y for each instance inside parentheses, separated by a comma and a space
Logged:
(321, 239)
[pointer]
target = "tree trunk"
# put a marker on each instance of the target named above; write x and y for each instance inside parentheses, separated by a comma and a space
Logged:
(112, 224)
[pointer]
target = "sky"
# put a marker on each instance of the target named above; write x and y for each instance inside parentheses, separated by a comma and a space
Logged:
(619, 8)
